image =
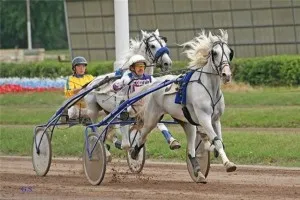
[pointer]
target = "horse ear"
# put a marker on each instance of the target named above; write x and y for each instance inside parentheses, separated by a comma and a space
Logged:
(224, 35)
(231, 54)
(210, 35)
(143, 33)
(156, 32)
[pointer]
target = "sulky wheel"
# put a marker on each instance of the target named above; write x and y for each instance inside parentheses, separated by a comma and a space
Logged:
(203, 157)
(94, 166)
(136, 166)
(41, 152)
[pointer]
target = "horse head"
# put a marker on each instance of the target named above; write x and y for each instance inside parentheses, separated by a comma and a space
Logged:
(156, 49)
(221, 56)
(211, 49)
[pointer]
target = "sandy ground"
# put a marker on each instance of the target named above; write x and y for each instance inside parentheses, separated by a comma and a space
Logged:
(66, 180)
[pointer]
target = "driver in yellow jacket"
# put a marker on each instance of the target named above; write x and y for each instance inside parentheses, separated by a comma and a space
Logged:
(74, 85)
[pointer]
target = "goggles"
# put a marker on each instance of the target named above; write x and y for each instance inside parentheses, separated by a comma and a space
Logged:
(139, 65)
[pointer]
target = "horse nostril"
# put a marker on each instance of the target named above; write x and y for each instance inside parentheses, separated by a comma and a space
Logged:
(223, 74)
(166, 64)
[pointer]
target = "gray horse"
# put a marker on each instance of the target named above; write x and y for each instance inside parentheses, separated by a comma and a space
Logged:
(153, 47)
(210, 58)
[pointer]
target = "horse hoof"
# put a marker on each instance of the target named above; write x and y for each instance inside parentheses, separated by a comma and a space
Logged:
(200, 178)
(175, 145)
(230, 167)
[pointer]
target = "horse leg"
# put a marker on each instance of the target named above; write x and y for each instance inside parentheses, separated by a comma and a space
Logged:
(204, 138)
(125, 137)
(144, 132)
(92, 109)
(73, 112)
(217, 128)
(150, 121)
(206, 122)
(174, 144)
(93, 112)
(190, 131)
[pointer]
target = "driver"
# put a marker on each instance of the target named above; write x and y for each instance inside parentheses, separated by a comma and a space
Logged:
(74, 85)
(136, 79)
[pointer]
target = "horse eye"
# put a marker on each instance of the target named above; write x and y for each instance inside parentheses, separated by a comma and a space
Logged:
(152, 46)
(214, 53)
(231, 54)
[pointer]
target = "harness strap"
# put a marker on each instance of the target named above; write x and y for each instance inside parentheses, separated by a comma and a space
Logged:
(187, 115)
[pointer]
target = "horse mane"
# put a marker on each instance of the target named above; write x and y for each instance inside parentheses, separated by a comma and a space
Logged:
(134, 47)
(198, 49)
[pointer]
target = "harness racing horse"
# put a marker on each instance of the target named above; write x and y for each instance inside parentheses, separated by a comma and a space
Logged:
(153, 48)
(209, 65)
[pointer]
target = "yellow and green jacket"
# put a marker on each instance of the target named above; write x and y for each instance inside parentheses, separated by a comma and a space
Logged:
(75, 82)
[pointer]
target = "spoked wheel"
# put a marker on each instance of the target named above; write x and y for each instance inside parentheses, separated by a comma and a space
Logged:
(94, 166)
(41, 152)
(203, 157)
(136, 166)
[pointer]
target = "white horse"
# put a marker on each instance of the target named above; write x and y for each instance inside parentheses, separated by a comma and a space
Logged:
(210, 58)
(153, 48)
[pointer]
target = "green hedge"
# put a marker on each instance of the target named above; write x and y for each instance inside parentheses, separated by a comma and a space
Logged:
(271, 71)
(50, 69)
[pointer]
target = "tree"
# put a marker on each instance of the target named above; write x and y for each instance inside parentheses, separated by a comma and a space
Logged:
(47, 24)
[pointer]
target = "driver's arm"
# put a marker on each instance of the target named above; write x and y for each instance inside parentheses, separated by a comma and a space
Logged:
(120, 83)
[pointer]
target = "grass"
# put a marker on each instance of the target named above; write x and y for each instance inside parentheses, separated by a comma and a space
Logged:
(265, 148)
(283, 116)
(247, 96)
(245, 107)
(244, 97)
(32, 98)
(260, 107)
(233, 116)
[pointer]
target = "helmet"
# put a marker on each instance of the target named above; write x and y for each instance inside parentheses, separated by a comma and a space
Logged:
(79, 60)
(137, 58)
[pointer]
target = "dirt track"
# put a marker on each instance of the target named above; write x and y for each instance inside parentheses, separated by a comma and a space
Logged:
(66, 180)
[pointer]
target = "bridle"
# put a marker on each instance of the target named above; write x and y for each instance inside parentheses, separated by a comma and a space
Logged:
(219, 68)
(160, 52)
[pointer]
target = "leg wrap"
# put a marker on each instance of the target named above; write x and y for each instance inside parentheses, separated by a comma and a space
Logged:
(216, 141)
(167, 135)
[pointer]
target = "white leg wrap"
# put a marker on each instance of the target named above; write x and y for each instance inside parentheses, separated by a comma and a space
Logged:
(131, 111)
(219, 147)
(162, 127)
(73, 112)
(108, 154)
(125, 137)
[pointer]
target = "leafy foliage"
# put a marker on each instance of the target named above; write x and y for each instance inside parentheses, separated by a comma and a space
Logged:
(271, 71)
(50, 69)
(47, 24)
